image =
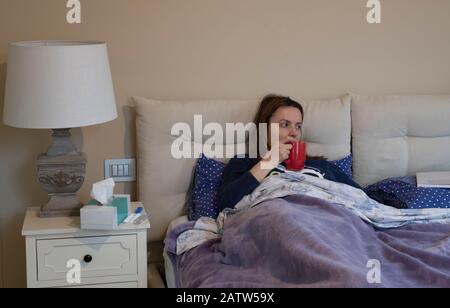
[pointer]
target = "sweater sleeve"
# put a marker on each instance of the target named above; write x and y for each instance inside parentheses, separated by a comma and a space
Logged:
(237, 182)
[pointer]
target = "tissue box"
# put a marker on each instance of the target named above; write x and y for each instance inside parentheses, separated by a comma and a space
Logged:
(93, 217)
(121, 202)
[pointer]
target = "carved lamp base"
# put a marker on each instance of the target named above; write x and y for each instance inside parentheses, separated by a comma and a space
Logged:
(61, 205)
(61, 172)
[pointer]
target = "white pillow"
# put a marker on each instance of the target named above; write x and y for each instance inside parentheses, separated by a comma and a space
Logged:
(397, 136)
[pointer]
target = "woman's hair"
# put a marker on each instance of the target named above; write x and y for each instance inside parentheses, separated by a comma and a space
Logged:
(269, 105)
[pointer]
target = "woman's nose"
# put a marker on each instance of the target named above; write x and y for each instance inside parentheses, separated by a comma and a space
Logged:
(293, 132)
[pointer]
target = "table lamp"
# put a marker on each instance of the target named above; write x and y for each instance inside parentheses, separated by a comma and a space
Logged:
(59, 85)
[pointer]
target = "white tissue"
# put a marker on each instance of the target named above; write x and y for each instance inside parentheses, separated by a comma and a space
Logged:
(103, 191)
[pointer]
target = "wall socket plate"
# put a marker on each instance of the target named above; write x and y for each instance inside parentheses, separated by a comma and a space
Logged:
(121, 170)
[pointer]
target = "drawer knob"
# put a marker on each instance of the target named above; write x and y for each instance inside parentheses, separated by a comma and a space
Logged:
(87, 258)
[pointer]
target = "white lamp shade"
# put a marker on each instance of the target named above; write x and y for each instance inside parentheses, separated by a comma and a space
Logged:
(57, 84)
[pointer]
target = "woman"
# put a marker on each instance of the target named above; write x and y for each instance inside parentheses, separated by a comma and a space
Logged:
(243, 175)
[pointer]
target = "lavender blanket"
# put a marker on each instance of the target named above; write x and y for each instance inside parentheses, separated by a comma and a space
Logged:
(301, 241)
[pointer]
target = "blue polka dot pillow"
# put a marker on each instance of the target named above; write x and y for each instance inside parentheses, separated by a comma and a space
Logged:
(346, 165)
(207, 178)
(403, 193)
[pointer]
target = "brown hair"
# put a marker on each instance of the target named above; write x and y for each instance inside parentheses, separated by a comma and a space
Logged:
(270, 104)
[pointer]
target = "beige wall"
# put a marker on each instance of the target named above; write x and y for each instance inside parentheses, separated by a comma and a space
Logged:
(214, 49)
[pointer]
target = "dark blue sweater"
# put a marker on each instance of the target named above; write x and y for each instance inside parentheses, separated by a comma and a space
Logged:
(238, 181)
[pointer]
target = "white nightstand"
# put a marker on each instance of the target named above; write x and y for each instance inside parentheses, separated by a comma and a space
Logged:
(108, 258)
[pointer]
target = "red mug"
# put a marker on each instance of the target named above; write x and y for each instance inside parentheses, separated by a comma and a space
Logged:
(297, 157)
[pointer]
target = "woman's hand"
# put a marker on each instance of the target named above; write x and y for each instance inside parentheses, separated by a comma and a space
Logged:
(279, 154)
(284, 150)
(269, 161)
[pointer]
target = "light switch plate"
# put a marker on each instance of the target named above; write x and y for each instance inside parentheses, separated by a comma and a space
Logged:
(121, 170)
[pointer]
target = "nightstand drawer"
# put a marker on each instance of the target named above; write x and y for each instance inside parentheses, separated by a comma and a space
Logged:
(99, 256)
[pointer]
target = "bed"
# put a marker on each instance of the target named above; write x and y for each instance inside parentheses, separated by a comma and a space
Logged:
(388, 136)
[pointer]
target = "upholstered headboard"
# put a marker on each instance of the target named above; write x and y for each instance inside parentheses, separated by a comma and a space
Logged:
(399, 136)
(164, 182)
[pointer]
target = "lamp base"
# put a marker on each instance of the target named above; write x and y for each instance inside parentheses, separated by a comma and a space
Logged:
(61, 173)
(61, 205)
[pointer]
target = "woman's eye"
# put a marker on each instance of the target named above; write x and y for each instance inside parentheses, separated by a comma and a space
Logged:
(283, 125)
(299, 127)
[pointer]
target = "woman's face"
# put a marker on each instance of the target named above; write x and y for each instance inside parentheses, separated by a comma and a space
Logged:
(290, 120)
